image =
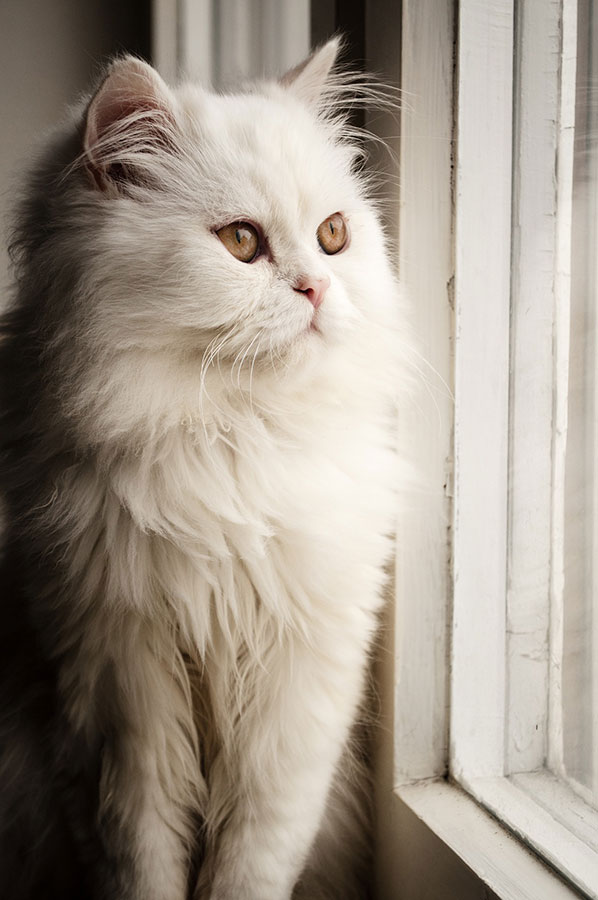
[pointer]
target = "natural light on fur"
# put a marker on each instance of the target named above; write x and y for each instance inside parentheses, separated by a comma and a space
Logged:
(200, 483)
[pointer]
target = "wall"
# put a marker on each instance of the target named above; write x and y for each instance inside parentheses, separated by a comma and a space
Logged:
(51, 51)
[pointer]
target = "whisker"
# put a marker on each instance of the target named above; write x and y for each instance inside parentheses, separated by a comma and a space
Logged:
(211, 353)
(242, 356)
(255, 355)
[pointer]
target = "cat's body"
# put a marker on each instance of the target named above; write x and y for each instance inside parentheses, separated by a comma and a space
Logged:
(200, 491)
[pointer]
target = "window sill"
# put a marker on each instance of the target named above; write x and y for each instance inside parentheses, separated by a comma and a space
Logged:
(550, 818)
(500, 861)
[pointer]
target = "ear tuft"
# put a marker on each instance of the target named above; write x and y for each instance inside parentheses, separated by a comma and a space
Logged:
(308, 79)
(131, 113)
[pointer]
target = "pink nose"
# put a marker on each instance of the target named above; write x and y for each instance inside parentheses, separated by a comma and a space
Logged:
(313, 288)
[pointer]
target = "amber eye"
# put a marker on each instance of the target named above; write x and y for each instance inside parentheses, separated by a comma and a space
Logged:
(333, 234)
(241, 239)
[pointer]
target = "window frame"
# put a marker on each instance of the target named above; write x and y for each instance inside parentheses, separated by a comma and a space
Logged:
(499, 623)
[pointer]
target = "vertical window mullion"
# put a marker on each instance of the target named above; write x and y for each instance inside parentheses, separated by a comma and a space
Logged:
(426, 268)
(482, 291)
(586, 148)
(564, 176)
(536, 97)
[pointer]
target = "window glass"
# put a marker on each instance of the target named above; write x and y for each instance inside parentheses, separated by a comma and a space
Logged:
(580, 634)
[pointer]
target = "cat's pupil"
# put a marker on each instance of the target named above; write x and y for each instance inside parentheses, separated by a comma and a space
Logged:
(241, 239)
(332, 234)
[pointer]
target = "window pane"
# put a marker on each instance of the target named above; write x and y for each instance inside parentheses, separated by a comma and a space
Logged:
(580, 645)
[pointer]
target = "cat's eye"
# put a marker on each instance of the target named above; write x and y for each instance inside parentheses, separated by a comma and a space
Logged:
(333, 234)
(241, 239)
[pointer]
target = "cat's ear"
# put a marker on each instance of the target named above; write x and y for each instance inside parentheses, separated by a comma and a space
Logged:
(308, 79)
(131, 114)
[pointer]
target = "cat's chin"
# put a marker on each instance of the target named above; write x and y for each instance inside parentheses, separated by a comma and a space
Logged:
(305, 351)
(311, 338)
(291, 355)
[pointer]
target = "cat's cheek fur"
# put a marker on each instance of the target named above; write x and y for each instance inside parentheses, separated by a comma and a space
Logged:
(200, 494)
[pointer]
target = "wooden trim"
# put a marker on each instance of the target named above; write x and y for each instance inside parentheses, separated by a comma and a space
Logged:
(533, 819)
(564, 177)
(426, 272)
(505, 866)
(536, 87)
(412, 671)
(561, 801)
(482, 303)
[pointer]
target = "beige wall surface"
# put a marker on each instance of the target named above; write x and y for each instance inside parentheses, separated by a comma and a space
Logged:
(50, 53)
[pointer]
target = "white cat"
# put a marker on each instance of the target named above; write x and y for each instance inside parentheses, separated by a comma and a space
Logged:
(199, 375)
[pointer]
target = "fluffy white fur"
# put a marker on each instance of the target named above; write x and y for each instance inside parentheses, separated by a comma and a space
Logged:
(226, 526)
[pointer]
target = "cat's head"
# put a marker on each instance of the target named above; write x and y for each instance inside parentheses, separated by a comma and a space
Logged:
(219, 236)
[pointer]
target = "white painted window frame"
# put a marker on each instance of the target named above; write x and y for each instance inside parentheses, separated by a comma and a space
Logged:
(508, 550)
(499, 650)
